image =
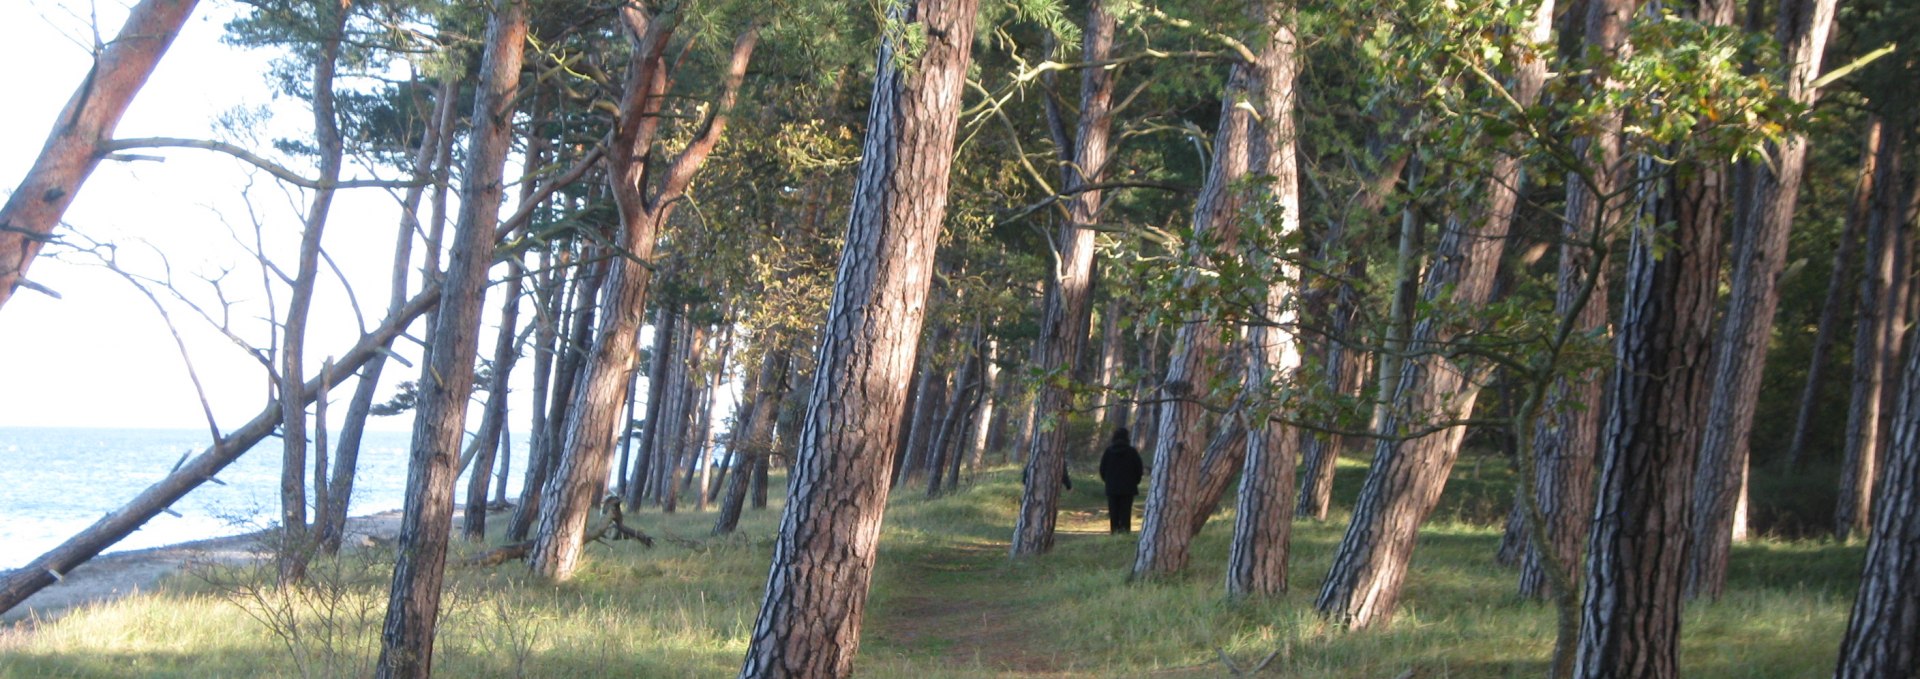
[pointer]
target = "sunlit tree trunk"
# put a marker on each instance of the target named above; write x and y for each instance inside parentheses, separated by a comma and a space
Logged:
(809, 622)
(296, 546)
(1173, 498)
(1759, 254)
(1263, 517)
(754, 441)
(1069, 306)
(413, 605)
(643, 210)
(73, 146)
(571, 361)
(1370, 566)
(331, 524)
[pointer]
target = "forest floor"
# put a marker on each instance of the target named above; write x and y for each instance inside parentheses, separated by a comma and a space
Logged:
(946, 603)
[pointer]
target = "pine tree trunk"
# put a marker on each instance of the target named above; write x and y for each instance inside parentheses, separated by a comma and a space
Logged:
(582, 471)
(945, 446)
(1068, 313)
(1567, 432)
(1637, 550)
(1740, 353)
(1886, 613)
(1839, 284)
(1407, 474)
(754, 441)
(474, 521)
(295, 547)
(926, 407)
(809, 622)
(1173, 498)
(991, 392)
(438, 135)
(73, 146)
(413, 606)
(1263, 517)
(571, 362)
(666, 326)
(1873, 342)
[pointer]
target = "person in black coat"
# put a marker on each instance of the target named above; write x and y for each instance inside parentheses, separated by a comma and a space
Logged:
(1121, 469)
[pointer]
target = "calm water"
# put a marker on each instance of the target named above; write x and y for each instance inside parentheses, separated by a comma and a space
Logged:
(55, 482)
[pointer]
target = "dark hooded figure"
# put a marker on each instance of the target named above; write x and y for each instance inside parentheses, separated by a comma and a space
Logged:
(1121, 469)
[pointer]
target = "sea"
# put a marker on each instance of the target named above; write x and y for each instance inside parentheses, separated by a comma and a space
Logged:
(55, 482)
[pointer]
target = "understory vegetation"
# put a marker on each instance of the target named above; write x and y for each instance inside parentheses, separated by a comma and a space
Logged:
(946, 602)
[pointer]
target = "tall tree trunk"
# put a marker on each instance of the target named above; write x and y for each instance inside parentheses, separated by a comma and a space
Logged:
(17, 585)
(753, 439)
(296, 547)
(1839, 284)
(945, 446)
(1740, 353)
(809, 622)
(1886, 612)
(73, 147)
(1263, 518)
(1069, 307)
(332, 524)
(1173, 497)
(1345, 353)
(1637, 551)
(666, 326)
(1567, 431)
(413, 605)
(589, 439)
(1874, 340)
(572, 360)
(991, 392)
(1407, 474)
(926, 407)
(473, 524)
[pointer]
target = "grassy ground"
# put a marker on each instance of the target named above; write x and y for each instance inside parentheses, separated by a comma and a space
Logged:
(946, 603)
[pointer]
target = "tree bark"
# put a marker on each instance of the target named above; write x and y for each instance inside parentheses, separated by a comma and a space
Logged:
(1839, 284)
(1173, 497)
(809, 622)
(1637, 551)
(945, 448)
(753, 439)
(413, 606)
(473, 524)
(296, 547)
(589, 440)
(1069, 306)
(439, 135)
(1263, 517)
(1886, 612)
(572, 361)
(1874, 341)
(1740, 353)
(1407, 474)
(73, 147)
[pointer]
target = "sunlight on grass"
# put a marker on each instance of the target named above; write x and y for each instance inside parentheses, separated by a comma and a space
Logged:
(947, 602)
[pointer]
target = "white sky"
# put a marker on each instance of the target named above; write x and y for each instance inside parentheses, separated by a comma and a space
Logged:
(101, 356)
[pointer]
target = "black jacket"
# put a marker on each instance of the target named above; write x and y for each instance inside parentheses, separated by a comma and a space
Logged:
(1121, 469)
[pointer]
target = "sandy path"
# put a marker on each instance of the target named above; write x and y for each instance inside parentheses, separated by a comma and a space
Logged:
(112, 576)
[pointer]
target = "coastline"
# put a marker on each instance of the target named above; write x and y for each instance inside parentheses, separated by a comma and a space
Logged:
(120, 574)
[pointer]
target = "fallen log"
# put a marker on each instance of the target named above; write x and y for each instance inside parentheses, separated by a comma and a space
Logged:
(51, 567)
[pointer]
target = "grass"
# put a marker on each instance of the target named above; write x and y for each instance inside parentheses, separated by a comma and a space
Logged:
(947, 602)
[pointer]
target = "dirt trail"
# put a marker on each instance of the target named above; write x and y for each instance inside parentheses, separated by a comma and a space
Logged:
(965, 613)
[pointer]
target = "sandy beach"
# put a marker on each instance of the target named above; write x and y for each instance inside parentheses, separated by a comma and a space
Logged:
(111, 576)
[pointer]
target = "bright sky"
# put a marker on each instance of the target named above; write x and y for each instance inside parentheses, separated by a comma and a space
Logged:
(101, 356)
